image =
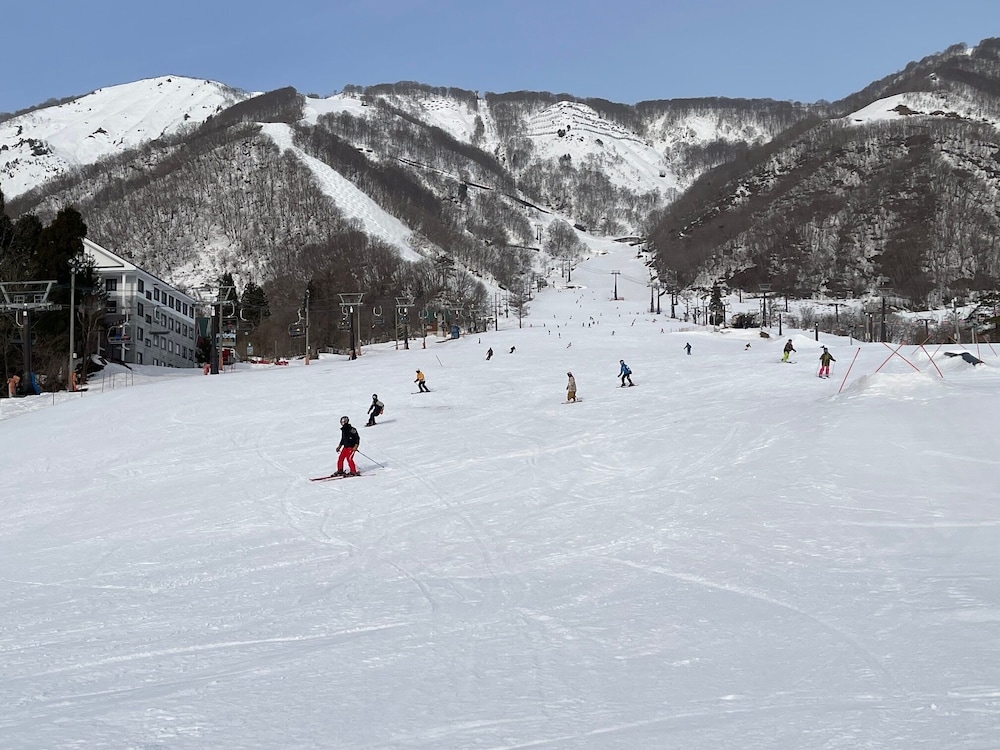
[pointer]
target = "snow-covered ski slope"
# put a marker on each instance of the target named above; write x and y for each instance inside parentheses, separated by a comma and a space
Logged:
(731, 555)
(347, 196)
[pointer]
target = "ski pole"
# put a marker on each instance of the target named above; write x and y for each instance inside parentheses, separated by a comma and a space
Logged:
(372, 459)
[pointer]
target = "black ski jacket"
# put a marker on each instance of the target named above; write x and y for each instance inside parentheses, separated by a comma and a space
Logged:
(349, 437)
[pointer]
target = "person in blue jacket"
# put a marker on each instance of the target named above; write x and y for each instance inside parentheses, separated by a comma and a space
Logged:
(625, 373)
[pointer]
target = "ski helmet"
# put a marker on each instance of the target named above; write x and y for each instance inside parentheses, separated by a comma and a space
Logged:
(345, 420)
(374, 397)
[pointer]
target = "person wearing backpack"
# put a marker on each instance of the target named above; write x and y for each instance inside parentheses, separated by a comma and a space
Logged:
(374, 410)
(626, 374)
(349, 442)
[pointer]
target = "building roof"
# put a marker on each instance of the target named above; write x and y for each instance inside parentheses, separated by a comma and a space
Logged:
(106, 260)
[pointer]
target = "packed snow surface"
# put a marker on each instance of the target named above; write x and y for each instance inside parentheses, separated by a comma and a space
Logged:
(733, 554)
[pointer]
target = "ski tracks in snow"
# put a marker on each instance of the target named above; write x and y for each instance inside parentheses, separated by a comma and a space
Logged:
(873, 661)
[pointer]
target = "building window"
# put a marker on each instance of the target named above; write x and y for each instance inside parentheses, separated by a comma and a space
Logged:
(111, 285)
(140, 286)
(140, 334)
(112, 307)
(156, 294)
(141, 309)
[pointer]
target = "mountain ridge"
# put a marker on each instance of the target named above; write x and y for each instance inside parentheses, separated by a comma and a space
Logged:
(477, 180)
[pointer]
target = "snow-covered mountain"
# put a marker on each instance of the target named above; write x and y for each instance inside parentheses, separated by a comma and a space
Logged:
(221, 181)
(51, 142)
(900, 189)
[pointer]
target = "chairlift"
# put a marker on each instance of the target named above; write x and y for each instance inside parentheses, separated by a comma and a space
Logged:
(119, 334)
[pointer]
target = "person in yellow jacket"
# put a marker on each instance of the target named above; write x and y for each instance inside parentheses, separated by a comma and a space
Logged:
(421, 385)
(824, 363)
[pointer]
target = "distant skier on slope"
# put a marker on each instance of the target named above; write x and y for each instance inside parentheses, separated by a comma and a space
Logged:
(376, 408)
(570, 387)
(350, 440)
(625, 373)
(421, 383)
(824, 363)
(787, 351)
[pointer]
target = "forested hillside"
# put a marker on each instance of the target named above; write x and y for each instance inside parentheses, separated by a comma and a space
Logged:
(903, 194)
(455, 198)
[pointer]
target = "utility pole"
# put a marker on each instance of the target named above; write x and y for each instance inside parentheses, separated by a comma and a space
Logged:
(308, 350)
(75, 266)
(213, 351)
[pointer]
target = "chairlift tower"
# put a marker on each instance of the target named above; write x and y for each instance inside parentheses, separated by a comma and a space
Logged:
(350, 303)
(765, 321)
(403, 305)
(24, 298)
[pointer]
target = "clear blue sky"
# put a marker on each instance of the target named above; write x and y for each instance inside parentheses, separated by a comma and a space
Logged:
(622, 50)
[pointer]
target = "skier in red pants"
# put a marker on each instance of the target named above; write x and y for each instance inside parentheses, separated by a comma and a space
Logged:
(824, 363)
(349, 442)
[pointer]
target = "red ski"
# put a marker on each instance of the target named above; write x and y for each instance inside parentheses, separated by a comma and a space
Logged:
(328, 477)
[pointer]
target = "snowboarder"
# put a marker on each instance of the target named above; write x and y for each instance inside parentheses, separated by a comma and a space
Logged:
(421, 385)
(512, 350)
(687, 348)
(489, 354)
(625, 373)
(747, 347)
(374, 410)
(570, 388)
(824, 363)
(787, 351)
(350, 440)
